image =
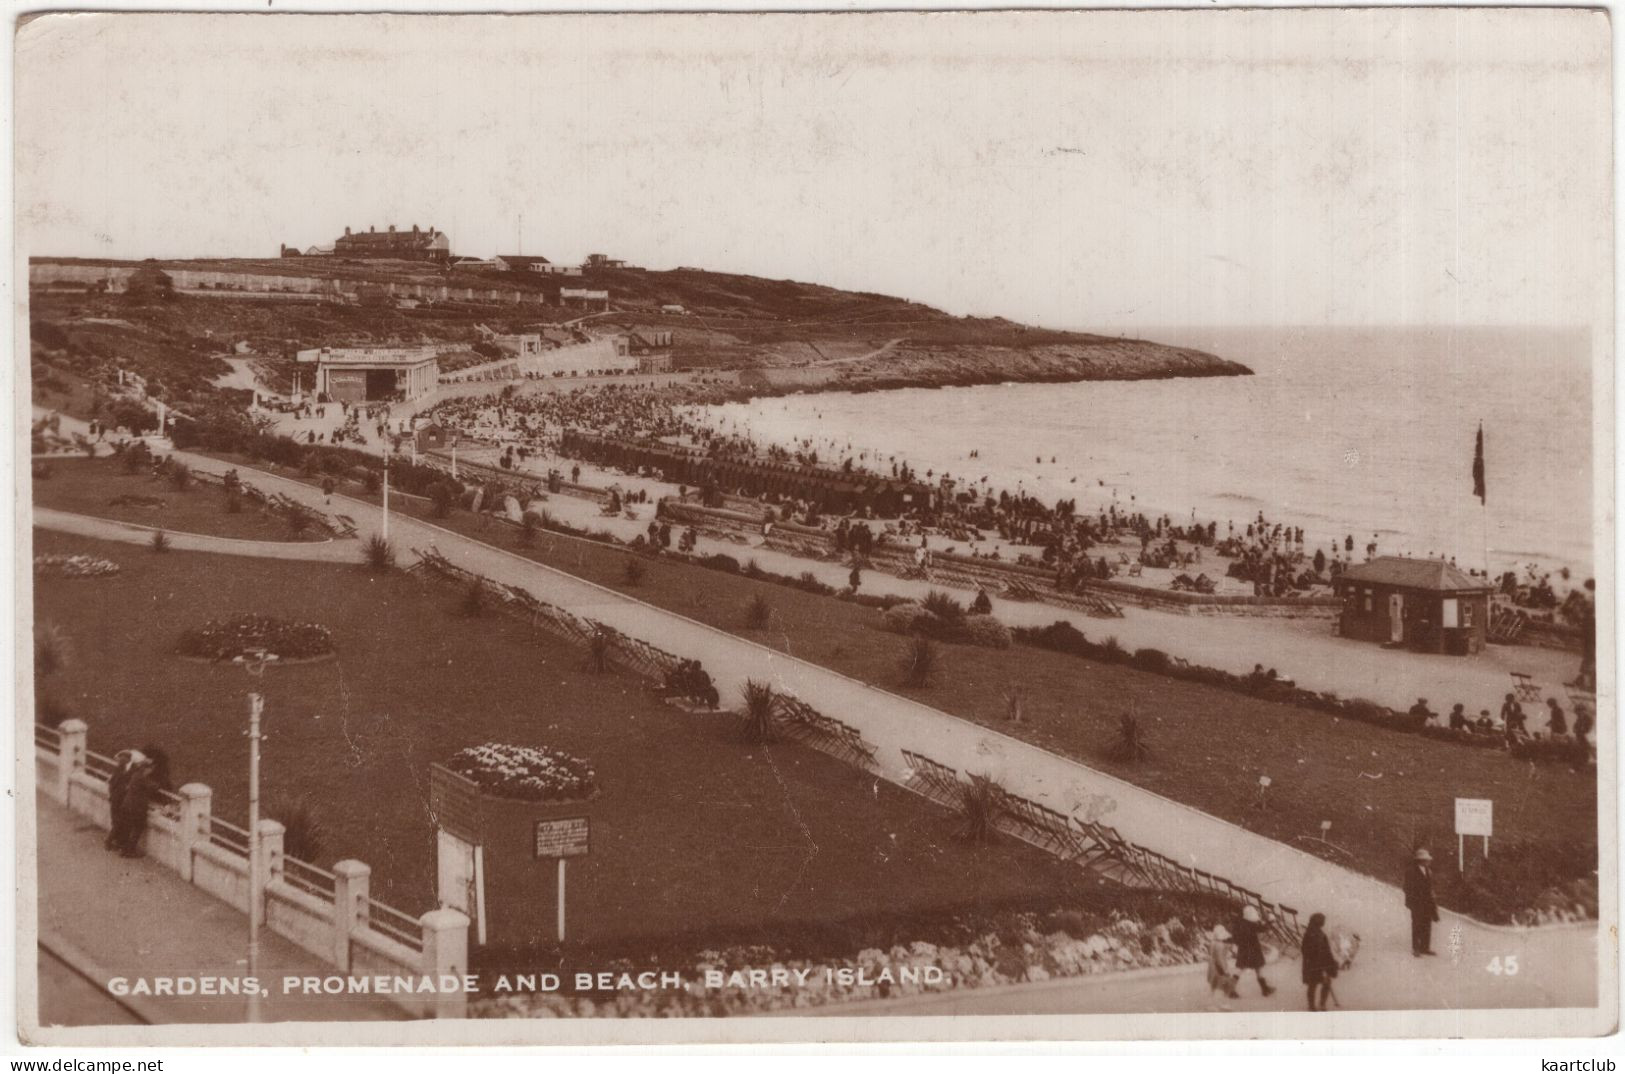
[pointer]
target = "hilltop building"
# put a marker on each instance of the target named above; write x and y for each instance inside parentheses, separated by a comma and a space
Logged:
(414, 245)
(372, 374)
(1422, 604)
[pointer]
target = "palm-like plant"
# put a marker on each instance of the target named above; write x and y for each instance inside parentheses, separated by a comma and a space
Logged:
(1130, 744)
(919, 659)
(758, 613)
(980, 803)
(761, 711)
(160, 542)
(53, 650)
(378, 554)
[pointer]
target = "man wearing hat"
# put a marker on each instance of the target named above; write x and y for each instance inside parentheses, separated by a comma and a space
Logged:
(1419, 900)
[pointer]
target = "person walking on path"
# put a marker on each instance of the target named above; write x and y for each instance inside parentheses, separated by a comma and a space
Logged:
(1319, 964)
(1250, 948)
(1221, 966)
(1556, 722)
(855, 578)
(1419, 900)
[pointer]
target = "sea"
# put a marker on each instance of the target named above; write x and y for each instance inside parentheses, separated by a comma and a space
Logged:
(1362, 433)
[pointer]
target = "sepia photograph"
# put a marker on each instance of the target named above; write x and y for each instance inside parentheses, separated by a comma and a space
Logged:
(843, 527)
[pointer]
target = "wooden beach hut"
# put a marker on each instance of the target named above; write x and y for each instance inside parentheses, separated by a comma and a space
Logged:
(1422, 604)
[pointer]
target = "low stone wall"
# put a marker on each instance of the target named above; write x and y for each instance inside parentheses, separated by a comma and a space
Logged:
(327, 914)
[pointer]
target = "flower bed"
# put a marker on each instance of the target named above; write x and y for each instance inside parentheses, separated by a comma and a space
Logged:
(66, 566)
(246, 636)
(528, 773)
(1031, 948)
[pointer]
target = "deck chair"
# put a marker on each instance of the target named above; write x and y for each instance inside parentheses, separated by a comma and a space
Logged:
(1525, 687)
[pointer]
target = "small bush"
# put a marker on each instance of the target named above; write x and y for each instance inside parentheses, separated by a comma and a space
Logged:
(904, 618)
(761, 711)
(1130, 745)
(720, 562)
(943, 606)
(299, 521)
(919, 660)
(980, 803)
(1112, 651)
(634, 571)
(180, 476)
(1153, 660)
(473, 605)
(378, 554)
(160, 542)
(303, 835)
(372, 482)
(758, 612)
(441, 495)
(986, 631)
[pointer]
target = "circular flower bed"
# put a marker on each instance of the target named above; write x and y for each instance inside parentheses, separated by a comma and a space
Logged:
(249, 636)
(528, 773)
(66, 566)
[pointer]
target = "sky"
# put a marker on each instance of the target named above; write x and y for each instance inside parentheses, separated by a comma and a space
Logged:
(1089, 170)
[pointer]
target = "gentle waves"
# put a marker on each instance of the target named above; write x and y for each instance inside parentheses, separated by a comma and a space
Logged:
(1341, 432)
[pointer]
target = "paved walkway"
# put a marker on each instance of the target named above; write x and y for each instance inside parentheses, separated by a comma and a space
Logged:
(1304, 650)
(107, 916)
(1566, 957)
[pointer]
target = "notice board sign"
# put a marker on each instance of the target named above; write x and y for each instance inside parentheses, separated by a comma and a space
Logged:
(1475, 816)
(565, 837)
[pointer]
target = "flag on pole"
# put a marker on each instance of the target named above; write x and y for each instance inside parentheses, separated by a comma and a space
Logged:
(1478, 465)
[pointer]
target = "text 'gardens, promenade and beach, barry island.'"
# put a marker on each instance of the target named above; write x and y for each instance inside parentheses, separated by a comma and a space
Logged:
(436, 616)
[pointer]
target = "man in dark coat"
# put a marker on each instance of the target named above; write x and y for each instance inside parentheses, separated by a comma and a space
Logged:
(1419, 900)
(139, 793)
(123, 765)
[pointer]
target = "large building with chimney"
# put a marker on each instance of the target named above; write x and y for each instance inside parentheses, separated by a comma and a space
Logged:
(414, 245)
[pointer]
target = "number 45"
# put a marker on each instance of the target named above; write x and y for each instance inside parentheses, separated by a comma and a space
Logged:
(1507, 966)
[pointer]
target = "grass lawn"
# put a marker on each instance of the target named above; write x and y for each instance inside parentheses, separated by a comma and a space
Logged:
(694, 830)
(1382, 791)
(90, 487)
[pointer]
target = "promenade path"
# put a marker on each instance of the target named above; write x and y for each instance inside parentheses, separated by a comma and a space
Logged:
(105, 916)
(1303, 650)
(1564, 960)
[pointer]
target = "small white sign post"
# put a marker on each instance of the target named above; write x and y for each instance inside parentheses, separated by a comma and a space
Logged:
(566, 837)
(1474, 816)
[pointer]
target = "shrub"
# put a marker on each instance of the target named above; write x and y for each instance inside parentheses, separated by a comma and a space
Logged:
(372, 482)
(527, 530)
(1112, 651)
(918, 662)
(943, 606)
(160, 542)
(720, 562)
(378, 554)
(986, 631)
(1130, 744)
(53, 650)
(633, 571)
(761, 711)
(980, 803)
(904, 618)
(303, 835)
(137, 458)
(1153, 660)
(441, 495)
(299, 521)
(180, 476)
(473, 604)
(328, 485)
(758, 612)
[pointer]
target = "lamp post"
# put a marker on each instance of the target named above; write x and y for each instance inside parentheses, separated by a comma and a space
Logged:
(256, 706)
(386, 491)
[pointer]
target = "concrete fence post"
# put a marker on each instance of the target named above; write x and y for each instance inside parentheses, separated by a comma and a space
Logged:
(352, 887)
(445, 952)
(270, 870)
(192, 829)
(70, 757)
